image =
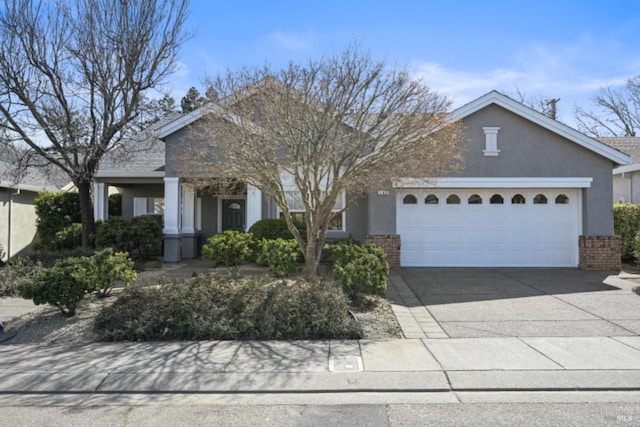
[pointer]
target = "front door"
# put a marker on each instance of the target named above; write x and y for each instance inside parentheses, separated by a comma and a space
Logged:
(233, 215)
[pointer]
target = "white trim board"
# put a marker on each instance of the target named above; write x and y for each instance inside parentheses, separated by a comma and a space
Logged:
(516, 182)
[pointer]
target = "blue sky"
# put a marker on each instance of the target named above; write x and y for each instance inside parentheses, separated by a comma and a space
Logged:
(564, 49)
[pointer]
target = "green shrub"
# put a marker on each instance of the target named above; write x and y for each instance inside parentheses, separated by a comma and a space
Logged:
(105, 268)
(139, 236)
(282, 256)
(273, 228)
(63, 285)
(66, 283)
(48, 257)
(210, 306)
(337, 249)
(626, 224)
(16, 272)
(229, 249)
(69, 237)
(362, 270)
(56, 211)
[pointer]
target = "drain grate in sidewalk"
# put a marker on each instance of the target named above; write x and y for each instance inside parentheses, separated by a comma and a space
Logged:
(345, 364)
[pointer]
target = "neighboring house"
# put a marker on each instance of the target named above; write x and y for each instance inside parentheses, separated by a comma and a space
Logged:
(533, 193)
(626, 179)
(17, 210)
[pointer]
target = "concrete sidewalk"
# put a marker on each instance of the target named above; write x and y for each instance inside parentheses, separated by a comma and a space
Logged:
(409, 365)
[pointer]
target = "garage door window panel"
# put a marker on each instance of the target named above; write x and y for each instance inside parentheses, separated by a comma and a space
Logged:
(496, 199)
(562, 199)
(453, 199)
(518, 199)
(431, 199)
(474, 199)
(540, 199)
(410, 199)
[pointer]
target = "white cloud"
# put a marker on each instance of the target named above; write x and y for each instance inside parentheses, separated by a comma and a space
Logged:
(291, 41)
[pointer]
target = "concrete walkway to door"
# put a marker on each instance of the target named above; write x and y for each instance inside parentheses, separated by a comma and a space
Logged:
(514, 302)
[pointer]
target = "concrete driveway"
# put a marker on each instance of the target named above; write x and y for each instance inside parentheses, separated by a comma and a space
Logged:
(526, 302)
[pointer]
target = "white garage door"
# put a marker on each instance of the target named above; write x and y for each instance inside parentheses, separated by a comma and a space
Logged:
(489, 227)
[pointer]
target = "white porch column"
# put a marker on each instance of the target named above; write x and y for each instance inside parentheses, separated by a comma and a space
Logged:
(172, 238)
(100, 201)
(188, 208)
(171, 205)
(254, 205)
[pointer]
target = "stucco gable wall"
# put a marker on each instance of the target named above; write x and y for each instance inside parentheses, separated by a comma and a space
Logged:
(529, 150)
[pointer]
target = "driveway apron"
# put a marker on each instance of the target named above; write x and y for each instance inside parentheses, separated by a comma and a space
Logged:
(523, 302)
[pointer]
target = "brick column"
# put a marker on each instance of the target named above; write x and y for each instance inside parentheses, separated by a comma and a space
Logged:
(390, 244)
(600, 253)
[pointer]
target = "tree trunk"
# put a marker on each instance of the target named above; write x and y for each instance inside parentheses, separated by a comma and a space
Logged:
(86, 212)
(311, 258)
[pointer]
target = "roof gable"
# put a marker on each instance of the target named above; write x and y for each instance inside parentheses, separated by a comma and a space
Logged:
(495, 97)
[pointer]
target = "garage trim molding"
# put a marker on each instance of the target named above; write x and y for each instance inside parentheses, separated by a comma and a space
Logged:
(560, 182)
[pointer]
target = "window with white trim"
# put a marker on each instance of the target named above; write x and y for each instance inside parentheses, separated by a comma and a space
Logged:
(298, 212)
(148, 206)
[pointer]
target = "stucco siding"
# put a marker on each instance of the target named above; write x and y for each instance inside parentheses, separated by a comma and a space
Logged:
(17, 222)
(141, 190)
(528, 150)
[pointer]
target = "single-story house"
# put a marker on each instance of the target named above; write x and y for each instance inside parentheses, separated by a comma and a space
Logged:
(626, 178)
(18, 217)
(533, 192)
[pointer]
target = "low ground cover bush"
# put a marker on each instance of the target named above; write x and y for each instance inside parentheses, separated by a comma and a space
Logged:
(16, 272)
(67, 282)
(213, 307)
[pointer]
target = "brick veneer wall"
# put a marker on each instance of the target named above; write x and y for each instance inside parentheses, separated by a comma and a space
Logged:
(600, 253)
(390, 244)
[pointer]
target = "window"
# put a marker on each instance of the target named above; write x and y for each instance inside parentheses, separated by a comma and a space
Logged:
(540, 199)
(474, 199)
(410, 199)
(562, 199)
(148, 206)
(518, 199)
(297, 209)
(453, 199)
(496, 199)
(431, 199)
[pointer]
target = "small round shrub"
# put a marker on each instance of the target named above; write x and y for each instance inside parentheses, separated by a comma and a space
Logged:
(63, 285)
(362, 270)
(282, 256)
(56, 211)
(229, 249)
(105, 268)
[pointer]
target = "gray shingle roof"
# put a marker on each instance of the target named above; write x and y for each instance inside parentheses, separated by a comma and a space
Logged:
(33, 178)
(627, 144)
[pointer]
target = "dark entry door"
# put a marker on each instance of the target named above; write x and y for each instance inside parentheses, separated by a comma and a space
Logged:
(233, 214)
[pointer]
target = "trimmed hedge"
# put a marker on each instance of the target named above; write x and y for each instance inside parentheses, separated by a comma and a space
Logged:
(626, 224)
(274, 228)
(140, 236)
(212, 307)
(56, 212)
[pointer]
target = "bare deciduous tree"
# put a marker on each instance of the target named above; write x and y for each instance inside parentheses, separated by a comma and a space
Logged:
(308, 133)
(540, 103)
(618, 111)
(73, 76)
